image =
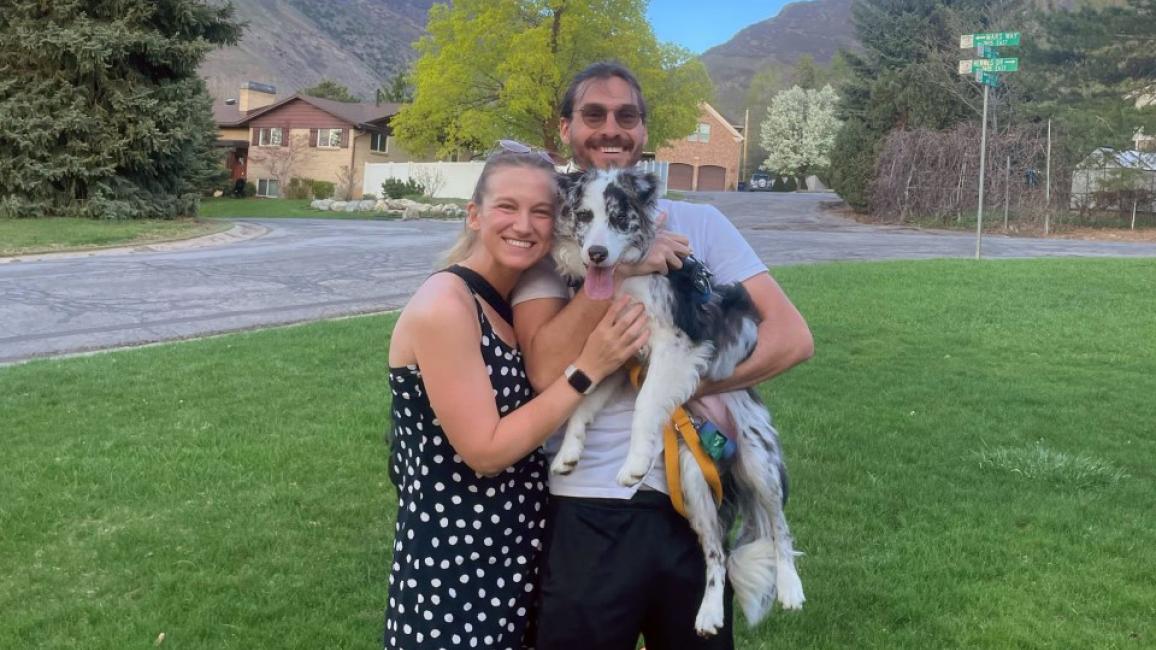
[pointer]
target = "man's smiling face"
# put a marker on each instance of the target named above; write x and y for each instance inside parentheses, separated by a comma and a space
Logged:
(611, 143)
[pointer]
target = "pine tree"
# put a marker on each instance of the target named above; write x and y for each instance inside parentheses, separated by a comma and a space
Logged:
(330, 89)
(103, 112)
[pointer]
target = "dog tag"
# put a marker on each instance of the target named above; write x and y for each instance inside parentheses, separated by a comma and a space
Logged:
(715, 443)
(700, 278)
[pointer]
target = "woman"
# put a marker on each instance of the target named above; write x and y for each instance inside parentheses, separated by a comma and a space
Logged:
(471, 480)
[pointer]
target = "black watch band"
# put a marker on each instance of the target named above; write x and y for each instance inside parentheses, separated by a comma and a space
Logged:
(579, 380)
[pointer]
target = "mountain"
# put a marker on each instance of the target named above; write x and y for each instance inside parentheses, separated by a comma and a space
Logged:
(293, 44)
(819, 28)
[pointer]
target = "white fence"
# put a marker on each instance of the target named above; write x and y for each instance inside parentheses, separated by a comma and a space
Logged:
(450, 180)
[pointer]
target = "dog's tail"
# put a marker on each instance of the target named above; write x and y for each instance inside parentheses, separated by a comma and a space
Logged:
(762, 565)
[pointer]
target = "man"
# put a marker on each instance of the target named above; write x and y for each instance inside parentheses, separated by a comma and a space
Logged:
(621, 561)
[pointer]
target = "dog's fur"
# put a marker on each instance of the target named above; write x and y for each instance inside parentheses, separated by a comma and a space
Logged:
(689, 342)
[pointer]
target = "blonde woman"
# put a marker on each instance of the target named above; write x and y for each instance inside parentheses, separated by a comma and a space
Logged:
(467, 428)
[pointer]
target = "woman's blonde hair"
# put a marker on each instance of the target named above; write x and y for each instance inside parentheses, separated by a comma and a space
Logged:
(465, 243)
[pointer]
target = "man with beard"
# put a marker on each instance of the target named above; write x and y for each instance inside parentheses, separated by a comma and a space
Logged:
(620, 561)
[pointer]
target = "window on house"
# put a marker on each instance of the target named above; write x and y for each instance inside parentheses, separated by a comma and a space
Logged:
(271, 137)
(329, 138)
(702, 134)
(379, 143)
(268, 187)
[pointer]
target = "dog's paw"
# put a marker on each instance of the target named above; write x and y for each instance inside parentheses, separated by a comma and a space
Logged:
(566, 460)
(790, 589)
(709, 620)
(632, 471)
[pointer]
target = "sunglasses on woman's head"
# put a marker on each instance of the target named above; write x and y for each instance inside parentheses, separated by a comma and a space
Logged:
(594, 115)
(513, 146)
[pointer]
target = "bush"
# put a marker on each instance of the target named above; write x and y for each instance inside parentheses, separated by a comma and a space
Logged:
(395, 188)
(250, 189)
(368, 197)
(299, 188)
(323, 189)
(853, 163)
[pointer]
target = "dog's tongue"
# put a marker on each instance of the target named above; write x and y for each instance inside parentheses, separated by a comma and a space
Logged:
(599, 283)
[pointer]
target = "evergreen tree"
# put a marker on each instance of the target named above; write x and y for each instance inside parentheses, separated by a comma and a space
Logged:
(905, 77)
(399, 90)
(330, 89)
(103, 112)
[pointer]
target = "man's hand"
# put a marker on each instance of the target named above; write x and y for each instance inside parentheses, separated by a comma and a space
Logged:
(666, 253)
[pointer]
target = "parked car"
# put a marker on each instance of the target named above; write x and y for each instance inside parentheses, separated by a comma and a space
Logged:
(760, 182)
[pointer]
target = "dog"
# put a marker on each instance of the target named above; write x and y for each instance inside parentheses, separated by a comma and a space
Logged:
(608, 217)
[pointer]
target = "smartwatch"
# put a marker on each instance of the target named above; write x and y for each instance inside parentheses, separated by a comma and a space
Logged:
(579, 380)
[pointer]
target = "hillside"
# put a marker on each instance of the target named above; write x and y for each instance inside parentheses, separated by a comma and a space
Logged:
(819, 28)
(294, 43)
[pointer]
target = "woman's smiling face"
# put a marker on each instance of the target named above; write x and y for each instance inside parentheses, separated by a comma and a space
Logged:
(515, 222)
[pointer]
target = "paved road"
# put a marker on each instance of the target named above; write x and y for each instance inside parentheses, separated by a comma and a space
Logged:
(304, 270)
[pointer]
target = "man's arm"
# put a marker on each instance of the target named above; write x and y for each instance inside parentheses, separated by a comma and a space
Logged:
(784, 340)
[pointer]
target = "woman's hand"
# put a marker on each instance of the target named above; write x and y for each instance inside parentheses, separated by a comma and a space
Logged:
(619, 336)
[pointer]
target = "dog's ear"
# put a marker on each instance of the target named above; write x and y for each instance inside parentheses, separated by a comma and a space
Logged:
(643, 185)
(567, 184)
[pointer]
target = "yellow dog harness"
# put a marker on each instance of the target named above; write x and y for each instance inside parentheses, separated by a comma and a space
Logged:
(681, 425)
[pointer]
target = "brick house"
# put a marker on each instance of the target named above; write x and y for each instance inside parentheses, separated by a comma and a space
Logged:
(706, 160)
(269, 141)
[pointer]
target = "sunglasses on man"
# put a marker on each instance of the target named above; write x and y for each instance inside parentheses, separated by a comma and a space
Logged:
(594, 116)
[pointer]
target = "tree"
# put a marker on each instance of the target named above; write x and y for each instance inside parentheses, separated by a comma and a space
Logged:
(806, 74)
(490, 70)
(103, 112)
(282, 162)
(799, 131)
(905, 77)
(329, 89)
(399, 90)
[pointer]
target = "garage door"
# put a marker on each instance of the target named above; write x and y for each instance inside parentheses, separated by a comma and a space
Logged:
(712, 178)
(681, 176)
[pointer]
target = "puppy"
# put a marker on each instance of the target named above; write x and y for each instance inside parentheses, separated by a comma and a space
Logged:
(696, 332)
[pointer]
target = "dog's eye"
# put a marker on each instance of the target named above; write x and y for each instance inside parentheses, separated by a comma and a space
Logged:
(584, 216)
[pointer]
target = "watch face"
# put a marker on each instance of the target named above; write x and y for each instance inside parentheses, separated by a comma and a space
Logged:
(579, 380)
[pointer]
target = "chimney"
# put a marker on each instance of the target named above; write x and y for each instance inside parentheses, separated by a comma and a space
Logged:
(255, 95)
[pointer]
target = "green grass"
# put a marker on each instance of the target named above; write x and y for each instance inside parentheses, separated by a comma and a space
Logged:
(971, 455)
(24, 236)
(257, 208)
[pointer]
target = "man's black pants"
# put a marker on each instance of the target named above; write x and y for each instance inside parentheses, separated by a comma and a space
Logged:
(614, 568)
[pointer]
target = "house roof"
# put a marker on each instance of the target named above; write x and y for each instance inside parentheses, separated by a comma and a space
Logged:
(1104, 156)
(727, 123)
(358, 114)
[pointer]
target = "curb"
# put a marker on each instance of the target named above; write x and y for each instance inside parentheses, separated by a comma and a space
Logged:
(241, 231)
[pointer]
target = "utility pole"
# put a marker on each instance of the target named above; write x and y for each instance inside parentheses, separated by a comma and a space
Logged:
(746, 142)
(982, 168)
(1048, 182)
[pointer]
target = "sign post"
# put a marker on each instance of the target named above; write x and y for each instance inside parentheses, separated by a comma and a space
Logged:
(985, 69)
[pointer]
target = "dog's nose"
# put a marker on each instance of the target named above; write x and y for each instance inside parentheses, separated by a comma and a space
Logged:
(598, 254)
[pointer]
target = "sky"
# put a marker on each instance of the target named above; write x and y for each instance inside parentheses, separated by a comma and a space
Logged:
(699, 25)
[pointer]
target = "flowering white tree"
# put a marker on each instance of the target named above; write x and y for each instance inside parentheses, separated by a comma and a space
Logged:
(799, 131)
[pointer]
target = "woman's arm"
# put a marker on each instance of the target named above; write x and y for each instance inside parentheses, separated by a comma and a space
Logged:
(461, 395)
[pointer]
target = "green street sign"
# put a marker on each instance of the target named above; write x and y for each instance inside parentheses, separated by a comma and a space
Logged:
(968, 66)
(987, 52)
(968, 41)
(989, 79)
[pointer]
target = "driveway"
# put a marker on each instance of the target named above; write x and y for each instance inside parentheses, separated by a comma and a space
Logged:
(303, 270)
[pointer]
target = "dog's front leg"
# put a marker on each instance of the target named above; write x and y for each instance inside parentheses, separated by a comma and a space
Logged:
(671, 378)
(574, 441)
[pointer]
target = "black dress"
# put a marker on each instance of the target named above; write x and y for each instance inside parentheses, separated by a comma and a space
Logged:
(466, 546)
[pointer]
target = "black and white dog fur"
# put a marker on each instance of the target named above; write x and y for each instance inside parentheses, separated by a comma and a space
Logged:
(608, 218)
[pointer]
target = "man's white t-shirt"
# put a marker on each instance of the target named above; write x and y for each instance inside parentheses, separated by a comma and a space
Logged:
(717, 243)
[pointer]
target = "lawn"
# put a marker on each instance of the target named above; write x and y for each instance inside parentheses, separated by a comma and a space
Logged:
(971, 454)
(24, 236)
(257, 208)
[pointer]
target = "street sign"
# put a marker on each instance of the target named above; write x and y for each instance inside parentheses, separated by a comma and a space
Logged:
(968, 66)
(968, 41)
(986, 52)
(987, 78)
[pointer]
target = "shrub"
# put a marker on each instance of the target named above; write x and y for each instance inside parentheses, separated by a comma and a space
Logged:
(368, 197)
(853, 162)
(395, 188)
(299, 188)
(322, 189)
(250, 189)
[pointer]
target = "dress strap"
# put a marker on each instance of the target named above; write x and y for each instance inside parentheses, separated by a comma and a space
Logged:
(485, 290)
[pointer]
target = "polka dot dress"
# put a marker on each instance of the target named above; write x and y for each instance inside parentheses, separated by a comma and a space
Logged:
(466, 546)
